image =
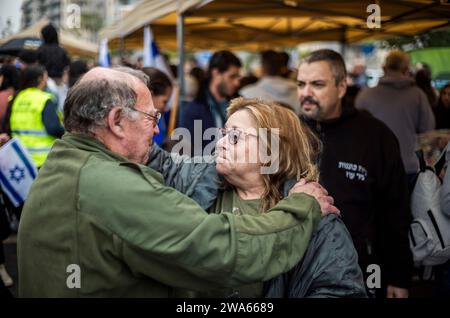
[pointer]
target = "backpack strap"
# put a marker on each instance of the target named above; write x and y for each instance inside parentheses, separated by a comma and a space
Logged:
(440, 162)
(422, 163)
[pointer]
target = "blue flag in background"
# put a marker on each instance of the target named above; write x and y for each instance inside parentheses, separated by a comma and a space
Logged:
(104, 58)
(152, 57)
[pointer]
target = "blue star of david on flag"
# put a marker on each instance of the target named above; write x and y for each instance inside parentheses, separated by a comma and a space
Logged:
(17, 174)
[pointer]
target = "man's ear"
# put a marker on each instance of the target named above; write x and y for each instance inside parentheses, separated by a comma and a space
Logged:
(342, 87)
(215, 73)
(114, 121)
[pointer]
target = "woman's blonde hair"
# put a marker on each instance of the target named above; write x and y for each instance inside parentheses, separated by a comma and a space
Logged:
(299, 147)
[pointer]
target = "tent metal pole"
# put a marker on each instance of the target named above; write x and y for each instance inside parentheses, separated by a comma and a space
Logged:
(180, 70)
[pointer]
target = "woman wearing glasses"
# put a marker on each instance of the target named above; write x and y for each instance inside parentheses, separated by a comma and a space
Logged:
(255, 173)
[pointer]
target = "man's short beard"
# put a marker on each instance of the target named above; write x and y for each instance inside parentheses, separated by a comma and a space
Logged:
(221, 89)
(316, 114)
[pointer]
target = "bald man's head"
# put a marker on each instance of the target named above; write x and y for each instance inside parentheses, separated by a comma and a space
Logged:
(114, 107)
(90, 100)
(98, 73)
(120, 75)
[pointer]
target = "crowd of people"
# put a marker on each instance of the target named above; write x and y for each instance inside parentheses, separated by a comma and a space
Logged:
(139, 220)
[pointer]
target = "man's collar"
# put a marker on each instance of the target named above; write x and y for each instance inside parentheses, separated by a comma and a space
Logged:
(347, 111)
(90, 143)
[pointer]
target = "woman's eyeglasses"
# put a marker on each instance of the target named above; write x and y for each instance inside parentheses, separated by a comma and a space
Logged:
(234, 134)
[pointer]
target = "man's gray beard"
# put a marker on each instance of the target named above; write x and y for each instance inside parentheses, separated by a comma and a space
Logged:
(316, 115)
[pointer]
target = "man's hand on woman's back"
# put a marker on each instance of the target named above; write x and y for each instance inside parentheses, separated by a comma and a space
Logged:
(315, 190)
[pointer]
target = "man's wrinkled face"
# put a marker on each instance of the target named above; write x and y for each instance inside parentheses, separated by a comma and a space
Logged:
(229, 81)
(140, 132)
(318, 93)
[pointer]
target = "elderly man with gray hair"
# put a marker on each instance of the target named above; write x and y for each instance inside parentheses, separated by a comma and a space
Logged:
(99, 223)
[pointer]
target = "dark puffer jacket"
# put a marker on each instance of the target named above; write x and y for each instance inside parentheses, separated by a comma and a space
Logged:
(329, 268)
(330, 265)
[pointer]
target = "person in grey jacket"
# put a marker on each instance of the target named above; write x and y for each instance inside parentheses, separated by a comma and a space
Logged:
(401, 105)
(273, 86)
(330, 266)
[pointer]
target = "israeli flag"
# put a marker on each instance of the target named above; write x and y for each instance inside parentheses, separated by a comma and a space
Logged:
(104, 58)
(152, 57)
(17, 171)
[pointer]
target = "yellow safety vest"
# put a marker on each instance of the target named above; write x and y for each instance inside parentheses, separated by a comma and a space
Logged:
(26, 123)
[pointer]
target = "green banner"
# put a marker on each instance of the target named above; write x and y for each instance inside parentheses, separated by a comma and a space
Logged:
(437, 58)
